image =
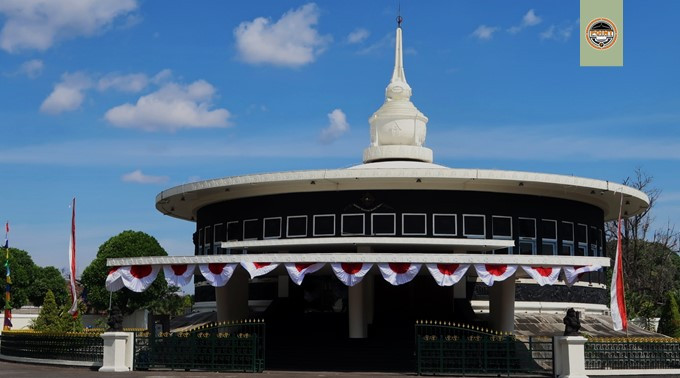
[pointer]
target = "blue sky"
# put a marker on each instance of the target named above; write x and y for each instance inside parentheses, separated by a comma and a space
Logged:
(113, 101)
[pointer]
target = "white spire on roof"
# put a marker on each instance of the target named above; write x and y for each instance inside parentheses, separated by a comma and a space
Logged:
(398, 128)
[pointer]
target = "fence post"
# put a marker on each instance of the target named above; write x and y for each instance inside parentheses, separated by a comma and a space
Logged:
(570, 356)
(118, 351)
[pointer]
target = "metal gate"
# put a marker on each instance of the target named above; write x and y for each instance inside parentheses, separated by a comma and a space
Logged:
(449, 348)
(228, 346)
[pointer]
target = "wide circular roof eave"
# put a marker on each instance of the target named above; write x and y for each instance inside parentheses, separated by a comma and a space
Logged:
(184, 201)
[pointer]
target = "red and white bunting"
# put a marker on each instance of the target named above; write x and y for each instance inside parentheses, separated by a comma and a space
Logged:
(490, 273)
(447, 274)
(139, 277)
(257, 269)
(351, 273)
(544, 275)
(297, 271)
(114, 281)
(399, 273)
(573, 273)
(217, 274)
(178, 274)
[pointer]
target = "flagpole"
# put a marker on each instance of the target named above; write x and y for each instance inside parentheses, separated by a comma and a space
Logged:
(7, 325)
(72, 262)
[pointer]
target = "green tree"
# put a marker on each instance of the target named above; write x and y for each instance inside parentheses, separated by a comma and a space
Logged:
(23, 272)
(669, 324)
(126, 244)
(171, 304)
(49, 278)
(50, 318)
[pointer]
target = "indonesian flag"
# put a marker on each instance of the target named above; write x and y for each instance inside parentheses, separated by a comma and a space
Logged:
(490, 273)
(114, 280)
(257, 269)
(72, 262)
(544, 275)
(447, 274)
(218, 274)
(178, 274)
(351, 273)
(399, 273)
(297, 271)
(572, 273)
(618, 302)
(139, 277)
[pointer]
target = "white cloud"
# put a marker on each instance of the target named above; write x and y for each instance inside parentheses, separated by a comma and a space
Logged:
(358, 35)
(558, 34)
(124, 83)
(67, 94)
(484, 32)
(337, 127)
(386, 41)
(32, 68)
(530, 19)
(172, 107)
(140, 178)
(38, 24)
(291, 41)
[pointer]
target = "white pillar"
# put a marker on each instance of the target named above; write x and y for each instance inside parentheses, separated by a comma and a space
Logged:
(502, 305)
(570, 356)
(118, 352)
(357, 319)
(232, 298)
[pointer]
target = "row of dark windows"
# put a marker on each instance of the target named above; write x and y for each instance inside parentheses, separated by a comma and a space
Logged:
(533, 236)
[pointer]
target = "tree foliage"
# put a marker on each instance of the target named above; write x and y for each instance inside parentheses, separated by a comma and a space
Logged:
(650, 256)
(669, 324)
(126, 244)
(54, 318)
(30, 282)
(49, 278)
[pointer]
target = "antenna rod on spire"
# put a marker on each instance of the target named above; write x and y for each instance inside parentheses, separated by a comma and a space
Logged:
(399, 18)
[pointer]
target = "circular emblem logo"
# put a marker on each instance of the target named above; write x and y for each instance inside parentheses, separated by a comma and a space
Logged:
(601, 33)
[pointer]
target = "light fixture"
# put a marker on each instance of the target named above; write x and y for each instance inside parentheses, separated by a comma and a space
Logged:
(592, 192)
(627, 202)
(182, 199)
(419, 180)
(521, 183)
(313, 182)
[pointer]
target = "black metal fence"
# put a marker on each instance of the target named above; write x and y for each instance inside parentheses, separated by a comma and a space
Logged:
(449, 348)
(234, 346)
(632, 353)
(69, 346)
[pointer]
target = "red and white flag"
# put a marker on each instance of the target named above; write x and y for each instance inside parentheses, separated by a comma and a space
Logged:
(447, 274)
(217, 274)
(114, 280)
(178, 274)
(544, 275)
(297, 271)
(490, 273)
(350, 273)
(257, 269)
(72, 262)
(618, 301)
(573, 273)
(399, 273)
(139, 277)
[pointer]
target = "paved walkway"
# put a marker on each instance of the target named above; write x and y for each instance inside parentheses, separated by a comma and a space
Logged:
(20, 370)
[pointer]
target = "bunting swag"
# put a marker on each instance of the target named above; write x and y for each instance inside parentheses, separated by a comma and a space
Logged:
(447, 274)
(178, 274)
(297, 271)
(490, 273)
(350, 273)
(139, 277)
(217, 274)
(573, 273)
(544, 275)
(114, 280)
(257, 269)
(399, 273)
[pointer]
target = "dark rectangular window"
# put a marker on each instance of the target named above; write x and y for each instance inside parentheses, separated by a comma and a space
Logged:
(414, 224)
(324, 225)
(383, 224)
(567, 235)
(251, 229)
(233, 231)
(474, 226)
(353, 224)
(444, 225)
(272, 228)
(527, 227)
(501, 226)
(220, 233)
(297, 226)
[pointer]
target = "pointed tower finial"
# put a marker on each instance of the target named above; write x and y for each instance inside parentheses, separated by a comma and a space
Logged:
(399, 18)
(398, 128)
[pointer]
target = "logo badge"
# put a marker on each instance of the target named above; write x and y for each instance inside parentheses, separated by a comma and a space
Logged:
(601, 33)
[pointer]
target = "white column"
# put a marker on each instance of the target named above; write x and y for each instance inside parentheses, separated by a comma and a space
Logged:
(357, 319)
(118, 351)
(570, 356)
(232, 298)
(502, 305)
